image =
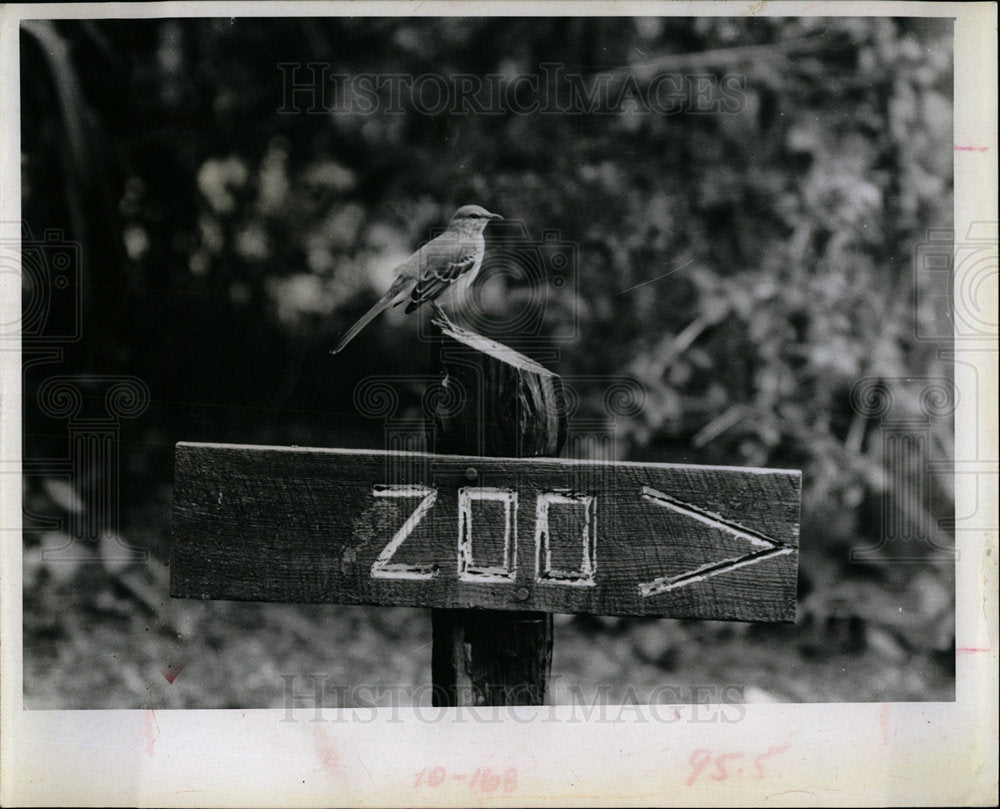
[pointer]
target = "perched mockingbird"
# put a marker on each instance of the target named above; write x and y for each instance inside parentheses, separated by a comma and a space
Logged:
(444, 268)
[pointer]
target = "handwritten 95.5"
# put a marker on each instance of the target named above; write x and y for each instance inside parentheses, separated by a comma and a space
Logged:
(729, 765)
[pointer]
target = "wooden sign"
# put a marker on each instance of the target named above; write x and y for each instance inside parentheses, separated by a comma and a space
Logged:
(452, 531)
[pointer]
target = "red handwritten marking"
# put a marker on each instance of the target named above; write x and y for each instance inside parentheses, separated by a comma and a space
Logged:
(720, 773)
(885, 724)
(971, 148)
(701, 758)
(771, 751)
(698, 760)
(964, 650)
(434, 779)
(483, 780)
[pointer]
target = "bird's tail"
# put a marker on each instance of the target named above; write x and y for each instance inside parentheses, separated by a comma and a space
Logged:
(383, 303)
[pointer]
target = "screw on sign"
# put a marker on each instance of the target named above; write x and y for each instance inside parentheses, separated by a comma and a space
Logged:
(486, 532)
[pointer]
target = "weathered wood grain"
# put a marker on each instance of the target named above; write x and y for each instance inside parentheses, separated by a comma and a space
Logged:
(308, 525)
(502, 403)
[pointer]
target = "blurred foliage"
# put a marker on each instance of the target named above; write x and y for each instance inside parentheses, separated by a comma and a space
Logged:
(748, 268)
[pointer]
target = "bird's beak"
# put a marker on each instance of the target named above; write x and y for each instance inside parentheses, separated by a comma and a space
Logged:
(495, 216)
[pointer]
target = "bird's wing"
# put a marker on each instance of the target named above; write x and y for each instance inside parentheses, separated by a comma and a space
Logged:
(440, 270)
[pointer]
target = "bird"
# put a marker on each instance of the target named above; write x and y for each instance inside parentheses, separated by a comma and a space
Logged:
(443, 269)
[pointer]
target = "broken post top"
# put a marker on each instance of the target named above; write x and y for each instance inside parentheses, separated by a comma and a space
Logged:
(500, 402)
(459, 338)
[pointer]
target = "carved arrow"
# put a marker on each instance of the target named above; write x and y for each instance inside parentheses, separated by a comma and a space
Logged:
(769, 548)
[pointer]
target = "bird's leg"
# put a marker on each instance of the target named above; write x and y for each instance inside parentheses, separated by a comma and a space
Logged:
(441, 316)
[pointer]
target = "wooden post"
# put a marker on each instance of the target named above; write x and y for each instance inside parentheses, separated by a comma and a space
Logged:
(498, 403)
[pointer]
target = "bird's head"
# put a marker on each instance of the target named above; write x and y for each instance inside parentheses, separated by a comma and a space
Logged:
(472, 219)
